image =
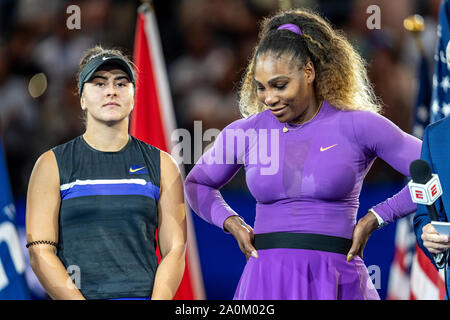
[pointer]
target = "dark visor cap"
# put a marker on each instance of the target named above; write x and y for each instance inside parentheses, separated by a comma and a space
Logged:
(95, 63)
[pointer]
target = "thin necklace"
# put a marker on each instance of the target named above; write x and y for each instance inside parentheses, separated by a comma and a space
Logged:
(286, 129)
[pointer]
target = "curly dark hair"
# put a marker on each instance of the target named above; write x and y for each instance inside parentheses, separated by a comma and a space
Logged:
(341, 75)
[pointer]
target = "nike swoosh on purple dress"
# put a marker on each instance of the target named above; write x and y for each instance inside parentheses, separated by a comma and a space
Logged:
(306, 180)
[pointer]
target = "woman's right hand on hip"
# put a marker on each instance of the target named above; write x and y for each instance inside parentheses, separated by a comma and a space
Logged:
(243, 234)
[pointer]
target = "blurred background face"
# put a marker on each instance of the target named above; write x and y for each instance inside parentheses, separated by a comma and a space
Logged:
(283, 87)
(108, 96)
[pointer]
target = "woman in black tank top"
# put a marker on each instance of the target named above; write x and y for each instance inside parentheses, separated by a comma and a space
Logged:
(95, 202)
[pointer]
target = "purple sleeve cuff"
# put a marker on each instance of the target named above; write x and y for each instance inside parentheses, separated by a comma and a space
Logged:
(222, 211)
(396, 207)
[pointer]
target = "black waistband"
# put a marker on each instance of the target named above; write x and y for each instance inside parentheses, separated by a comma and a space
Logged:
(302, 241)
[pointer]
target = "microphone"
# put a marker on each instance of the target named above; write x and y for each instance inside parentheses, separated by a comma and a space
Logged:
(425, 187)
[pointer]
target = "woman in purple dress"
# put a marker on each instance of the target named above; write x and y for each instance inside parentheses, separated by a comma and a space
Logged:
(310, 133)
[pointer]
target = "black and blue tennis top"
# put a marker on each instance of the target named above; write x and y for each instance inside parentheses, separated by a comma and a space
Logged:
(108, 217)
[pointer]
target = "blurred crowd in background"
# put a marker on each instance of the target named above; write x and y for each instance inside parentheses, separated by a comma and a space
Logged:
(206, 44)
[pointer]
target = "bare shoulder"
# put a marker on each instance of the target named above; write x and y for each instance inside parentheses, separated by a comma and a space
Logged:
(47, 159)
(43, 199)
(168, 163)
(170, 172)
(46, 168)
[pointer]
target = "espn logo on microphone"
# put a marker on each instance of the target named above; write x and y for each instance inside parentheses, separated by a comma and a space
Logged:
(427, 193)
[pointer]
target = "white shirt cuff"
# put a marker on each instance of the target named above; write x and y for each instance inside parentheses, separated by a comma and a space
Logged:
(381, 223)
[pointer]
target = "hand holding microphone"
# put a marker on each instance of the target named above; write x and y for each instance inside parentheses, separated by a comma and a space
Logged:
(435, 243)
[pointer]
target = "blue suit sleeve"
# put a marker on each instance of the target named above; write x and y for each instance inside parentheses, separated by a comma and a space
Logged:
(421, 217)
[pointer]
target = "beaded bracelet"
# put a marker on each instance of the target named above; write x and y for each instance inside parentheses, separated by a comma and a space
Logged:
(29, 244)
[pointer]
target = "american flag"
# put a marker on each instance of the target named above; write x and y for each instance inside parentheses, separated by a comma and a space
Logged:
(440, 101)
(412, 275)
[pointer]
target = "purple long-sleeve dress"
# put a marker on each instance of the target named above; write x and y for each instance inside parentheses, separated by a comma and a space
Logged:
(305, 180)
